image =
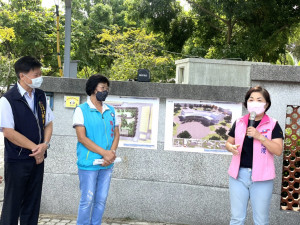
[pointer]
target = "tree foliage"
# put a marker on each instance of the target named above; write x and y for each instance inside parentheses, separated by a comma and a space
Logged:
(117, 37)
(34, 32)
(7, 73)
(250, 30)
(222, 132)
(6, 64)
(134, 49)
(184, 134)
(165, 17)
(88, 21)
(293, 48)
(6, 34)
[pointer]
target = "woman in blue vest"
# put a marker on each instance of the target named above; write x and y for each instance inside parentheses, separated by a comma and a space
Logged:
(98, 138)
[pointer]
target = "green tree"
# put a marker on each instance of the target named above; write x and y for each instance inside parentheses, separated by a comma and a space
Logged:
(124, 122)
(132, 50)
(222, 132)
(6, 34)
(88, 20)
(293, 48)
(228, 118)
(250, 30)
(184, 134)
(35, 32)
(6, 63)
(7, 72)
(215, 138)
(119, 10)
(176, 109)
(19, 5)
(164, 17)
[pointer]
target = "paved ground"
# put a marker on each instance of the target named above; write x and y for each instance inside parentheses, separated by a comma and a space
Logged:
(46, 219)
(64, 220)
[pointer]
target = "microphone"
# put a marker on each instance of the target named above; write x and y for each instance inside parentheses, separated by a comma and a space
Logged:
(251, 120)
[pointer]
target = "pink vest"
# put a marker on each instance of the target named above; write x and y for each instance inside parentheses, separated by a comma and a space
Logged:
(263, 161)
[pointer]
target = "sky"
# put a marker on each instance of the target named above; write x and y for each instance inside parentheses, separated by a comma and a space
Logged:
(46, 3)
(50, 3)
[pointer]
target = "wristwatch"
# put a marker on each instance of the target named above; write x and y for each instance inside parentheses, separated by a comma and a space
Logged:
(48, 144)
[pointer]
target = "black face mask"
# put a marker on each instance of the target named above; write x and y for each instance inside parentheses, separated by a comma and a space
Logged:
(101, 96)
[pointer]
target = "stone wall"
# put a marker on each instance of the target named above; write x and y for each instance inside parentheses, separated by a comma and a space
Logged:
(159, 185)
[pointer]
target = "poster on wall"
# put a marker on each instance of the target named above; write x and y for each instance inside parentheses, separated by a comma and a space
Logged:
(71, 101)
(138, 120)
(49, 99)
(199, 126)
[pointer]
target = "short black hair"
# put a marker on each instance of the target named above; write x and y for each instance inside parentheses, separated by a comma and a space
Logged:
(261, 90)
(93, 82)
(25, 64)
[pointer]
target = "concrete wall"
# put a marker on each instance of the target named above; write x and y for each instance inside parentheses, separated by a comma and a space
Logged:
(156, 185)
(283, 84)
(214, 72)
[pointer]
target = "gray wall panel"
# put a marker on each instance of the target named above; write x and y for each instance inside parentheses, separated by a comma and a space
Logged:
(159, 185)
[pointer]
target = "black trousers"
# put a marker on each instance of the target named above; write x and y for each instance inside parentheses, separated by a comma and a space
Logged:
(22, 192)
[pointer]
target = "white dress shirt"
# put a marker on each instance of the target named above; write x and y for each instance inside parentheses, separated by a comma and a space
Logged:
(6, 114)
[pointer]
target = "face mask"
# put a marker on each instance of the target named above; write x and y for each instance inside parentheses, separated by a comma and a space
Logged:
(257, 107)
(101, 96)
(36, 82)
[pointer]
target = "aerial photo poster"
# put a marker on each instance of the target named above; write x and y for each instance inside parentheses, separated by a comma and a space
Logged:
(138, 120)
(199, 126)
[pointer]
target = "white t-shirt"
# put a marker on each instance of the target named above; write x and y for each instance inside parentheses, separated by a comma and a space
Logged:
(78, 119)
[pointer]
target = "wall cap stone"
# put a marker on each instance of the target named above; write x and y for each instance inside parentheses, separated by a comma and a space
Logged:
(218, 61)
(275, 73)
(148, 89)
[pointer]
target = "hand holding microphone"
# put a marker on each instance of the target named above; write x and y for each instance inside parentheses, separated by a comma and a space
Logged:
(251, 123)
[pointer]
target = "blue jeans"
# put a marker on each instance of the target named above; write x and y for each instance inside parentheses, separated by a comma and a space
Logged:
(241, 190)
(94, 186)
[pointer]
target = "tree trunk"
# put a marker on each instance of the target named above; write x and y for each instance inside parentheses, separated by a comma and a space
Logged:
(229, 31)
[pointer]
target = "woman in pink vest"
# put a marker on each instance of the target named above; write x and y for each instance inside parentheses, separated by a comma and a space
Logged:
(253, 140)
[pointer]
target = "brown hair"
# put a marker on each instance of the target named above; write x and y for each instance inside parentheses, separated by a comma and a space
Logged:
(261, 90)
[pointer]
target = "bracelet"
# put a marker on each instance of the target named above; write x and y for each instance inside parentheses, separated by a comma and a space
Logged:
(262, 138)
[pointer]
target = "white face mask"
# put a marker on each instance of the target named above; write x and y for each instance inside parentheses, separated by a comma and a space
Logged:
(36, 82)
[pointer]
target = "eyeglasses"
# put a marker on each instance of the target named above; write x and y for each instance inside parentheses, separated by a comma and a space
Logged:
(103, 88)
